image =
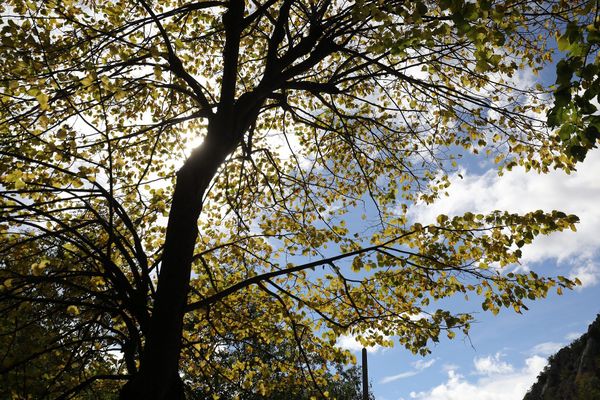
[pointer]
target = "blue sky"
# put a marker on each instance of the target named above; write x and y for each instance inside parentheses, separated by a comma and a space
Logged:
(503, 355)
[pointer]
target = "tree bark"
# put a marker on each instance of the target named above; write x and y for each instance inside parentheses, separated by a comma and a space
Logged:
(158, 377)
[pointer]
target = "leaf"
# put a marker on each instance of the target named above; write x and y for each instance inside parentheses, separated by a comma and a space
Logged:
(562, 43)
(239, 160)
(357, 264)
(73, 310)
(566, 131)
(42, 99)
(88, 80)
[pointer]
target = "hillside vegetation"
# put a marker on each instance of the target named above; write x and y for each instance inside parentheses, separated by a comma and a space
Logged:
(573, 372)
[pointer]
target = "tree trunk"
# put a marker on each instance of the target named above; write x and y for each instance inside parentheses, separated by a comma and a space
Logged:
(158, 377)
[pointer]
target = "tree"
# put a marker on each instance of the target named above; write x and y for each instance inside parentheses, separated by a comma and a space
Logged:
(45, 351)
(306, 114)
(577, 86)
(269, 362)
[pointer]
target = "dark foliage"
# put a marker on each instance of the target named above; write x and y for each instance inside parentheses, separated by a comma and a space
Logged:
(574, 372)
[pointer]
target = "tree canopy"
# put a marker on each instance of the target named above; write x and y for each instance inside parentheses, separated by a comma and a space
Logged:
(183, 177)
(577, 87)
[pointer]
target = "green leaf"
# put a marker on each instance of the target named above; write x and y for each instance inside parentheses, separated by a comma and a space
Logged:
(566, 131)
(562, 97)
(564, 72)
(562, 43)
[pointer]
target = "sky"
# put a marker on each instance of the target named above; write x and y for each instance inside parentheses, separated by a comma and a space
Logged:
(503, 355)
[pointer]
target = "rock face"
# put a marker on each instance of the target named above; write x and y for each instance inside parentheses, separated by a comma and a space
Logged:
(574, 372)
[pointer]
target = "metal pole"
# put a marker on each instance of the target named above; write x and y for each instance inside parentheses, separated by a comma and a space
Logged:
(365, 375)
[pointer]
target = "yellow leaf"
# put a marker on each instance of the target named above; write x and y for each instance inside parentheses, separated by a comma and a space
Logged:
(42, 98)
(88, 80)
(19, 183)
(120, 94)
(73, 310)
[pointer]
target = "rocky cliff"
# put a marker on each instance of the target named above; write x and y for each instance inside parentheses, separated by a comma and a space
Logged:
(574, 372)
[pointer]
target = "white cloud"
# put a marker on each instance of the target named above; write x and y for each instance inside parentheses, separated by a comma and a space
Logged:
(503, 385)
(491, 365)
(419, 366)
(546, 348)
(572, 336)
(350, 343)
(588, 272)
(402, 375)
(518, 191)
(418, 316)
